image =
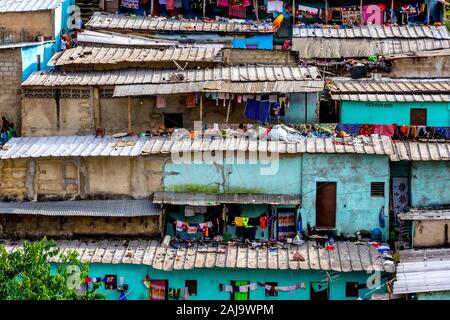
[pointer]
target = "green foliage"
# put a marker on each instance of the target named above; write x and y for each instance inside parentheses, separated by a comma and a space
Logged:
(27, 274)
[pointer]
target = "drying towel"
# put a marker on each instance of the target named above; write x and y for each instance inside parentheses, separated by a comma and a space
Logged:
(222, 3)
(384, 129)
(157, 290)
(131, 4)
(170, 4)
(257, 110)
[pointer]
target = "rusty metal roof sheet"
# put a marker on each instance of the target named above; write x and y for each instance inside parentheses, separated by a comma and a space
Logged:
(370, 145)
(373, 32)
(154, 24)
(391, 90)
(420, 151)
(86, 54)
(424, 214)
(248, 73)
(214, 199)
(335, 48)
(28, 5)
(72, 146)
(157, 89)
(84, 208)
(346, 257)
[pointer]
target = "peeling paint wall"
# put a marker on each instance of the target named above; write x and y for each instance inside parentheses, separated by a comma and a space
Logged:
(26, 26)
(235, 177)
(33, 226)
(431, 234)
(430, 181)
(355, 208)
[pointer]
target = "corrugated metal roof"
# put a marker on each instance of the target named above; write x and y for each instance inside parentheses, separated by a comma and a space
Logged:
(143, 76)
(113, 55)
(347, 256)
(420, 151)
(391, 90)
(370, 145)
(112, 38)
(219, 86)
(425, 270)
(72, 146)
(426, 215)
(121, 22)
(373, 32)
(5, 46)
(329, 48)
(88, 208)
(214, 199)
(420, 54)
(157, 89)
(28, 5)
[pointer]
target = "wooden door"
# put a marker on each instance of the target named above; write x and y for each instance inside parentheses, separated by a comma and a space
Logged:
(319, 291)
(418, 117)
(326, 204)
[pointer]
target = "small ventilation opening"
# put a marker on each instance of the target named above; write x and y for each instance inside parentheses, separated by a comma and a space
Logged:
(377, 189)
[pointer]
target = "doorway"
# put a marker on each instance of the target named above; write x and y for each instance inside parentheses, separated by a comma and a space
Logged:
(326, 204)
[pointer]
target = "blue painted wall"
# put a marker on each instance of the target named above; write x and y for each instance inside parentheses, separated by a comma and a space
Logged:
(235, 178)
(430, 183)
(438, 113)
(355, 208)
(29, 58)
(208, 281)
(302, 108)
(262, 41)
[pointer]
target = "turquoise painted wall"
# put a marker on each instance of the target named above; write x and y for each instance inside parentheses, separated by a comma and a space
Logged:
(208, 281)
(29, 58)
(235, 178)
(430, 181)
(438, 113)
(296, 113)
(355, 208)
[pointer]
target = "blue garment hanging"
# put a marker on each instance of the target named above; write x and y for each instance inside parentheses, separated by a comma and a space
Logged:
(382, 217)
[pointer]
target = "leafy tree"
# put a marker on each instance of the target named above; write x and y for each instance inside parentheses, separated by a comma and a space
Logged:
(27, 274)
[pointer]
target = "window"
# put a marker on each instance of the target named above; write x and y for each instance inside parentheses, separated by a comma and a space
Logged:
(270, 292)
(352, 289)
(192, 287)
(418, 117)
(173, 120)
(377, 189)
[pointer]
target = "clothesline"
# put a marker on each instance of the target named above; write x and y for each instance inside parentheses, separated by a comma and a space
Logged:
(253, 286)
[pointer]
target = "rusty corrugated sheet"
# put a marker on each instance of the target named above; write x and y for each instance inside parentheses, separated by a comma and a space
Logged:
(346, 257)
(117, 22)
(420, 151)
(113, 55)
(391, 90)
(143, 76)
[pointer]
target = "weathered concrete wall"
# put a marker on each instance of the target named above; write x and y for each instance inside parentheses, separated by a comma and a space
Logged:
(13, 179)
(424, 67)
(44, 117)
(26, 26)
(285, 178)
(28, 226)
(430, 183)
(431, 234)
(80, 178)
(233, 56)
(119, 177)
(10, 79)
(355, 208)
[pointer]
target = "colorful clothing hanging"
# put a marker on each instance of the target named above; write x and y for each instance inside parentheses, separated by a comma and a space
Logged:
(157, 290)
(170, 4)
(222, 3)
(400, 195)
(257, 110)
(286, 224)
(237, 11)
